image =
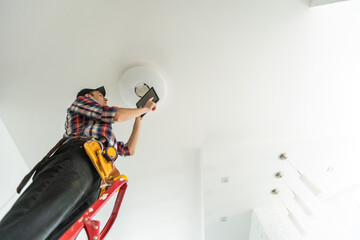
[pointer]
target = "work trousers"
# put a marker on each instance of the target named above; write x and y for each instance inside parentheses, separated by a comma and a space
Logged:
(61, 191)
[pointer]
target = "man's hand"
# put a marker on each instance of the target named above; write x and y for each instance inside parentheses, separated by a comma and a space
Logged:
(150, 105)
(124, 114)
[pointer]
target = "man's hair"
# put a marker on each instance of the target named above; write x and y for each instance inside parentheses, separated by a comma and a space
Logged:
(85, 91)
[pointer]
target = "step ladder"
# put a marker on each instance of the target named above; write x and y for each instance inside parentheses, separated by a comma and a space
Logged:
(92, 227)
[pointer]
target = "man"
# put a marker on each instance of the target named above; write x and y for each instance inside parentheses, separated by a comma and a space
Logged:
(66, 184)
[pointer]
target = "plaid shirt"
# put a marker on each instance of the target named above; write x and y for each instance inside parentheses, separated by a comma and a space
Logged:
(87, 118)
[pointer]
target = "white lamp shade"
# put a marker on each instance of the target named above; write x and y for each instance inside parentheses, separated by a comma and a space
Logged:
(311, 185)
(137, 75)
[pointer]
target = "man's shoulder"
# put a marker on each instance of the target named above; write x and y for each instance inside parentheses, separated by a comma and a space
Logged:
(82, 100)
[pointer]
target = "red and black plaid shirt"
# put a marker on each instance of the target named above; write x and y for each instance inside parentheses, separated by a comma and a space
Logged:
(87, 118)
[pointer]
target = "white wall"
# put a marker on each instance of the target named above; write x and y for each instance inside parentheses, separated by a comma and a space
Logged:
(12, 169)
(256, 229)
(272, 223)
(235, 227)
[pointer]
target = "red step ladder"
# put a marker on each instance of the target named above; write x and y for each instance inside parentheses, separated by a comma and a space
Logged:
(92, 227)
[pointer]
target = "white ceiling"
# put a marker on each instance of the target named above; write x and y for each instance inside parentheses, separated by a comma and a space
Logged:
(322, 2)
(236, 71)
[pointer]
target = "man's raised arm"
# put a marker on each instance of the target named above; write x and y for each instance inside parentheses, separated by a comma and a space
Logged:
(124, 114)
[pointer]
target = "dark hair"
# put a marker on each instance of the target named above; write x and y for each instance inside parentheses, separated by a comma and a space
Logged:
(85, 91)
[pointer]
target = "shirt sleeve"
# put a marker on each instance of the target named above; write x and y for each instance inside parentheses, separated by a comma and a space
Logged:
(91, 109)
(123, 149)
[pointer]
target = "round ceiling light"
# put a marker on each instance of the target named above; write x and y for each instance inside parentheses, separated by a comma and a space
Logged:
(136, 81)
(141, 89)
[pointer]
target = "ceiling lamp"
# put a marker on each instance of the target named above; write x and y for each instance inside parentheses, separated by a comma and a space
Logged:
(302, 203)
(314, 188)
(296, 221)
(136, 81)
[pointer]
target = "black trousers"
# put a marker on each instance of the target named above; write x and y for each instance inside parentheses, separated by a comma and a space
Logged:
(61, 191)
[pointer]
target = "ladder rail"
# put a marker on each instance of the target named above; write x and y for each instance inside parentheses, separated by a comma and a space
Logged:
(115, 211)
(92, 226)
